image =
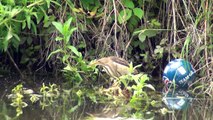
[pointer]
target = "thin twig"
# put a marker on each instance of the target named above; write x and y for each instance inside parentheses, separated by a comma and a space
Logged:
(205, 38)
(115, 26)
(174, 21)
(15, 65)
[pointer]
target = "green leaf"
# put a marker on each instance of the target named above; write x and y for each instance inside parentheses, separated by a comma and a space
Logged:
(158, 49)
(9, 34)
(149, 86)
(58, 38)
(15, 41)
(58, 26)
(28, 17)
(67, 38)
(74, 50)
(154, 22)
(73, 109)
(48, 3)
(68, 22)
(130, 27)
(69, 68)
(24, 59)
(138, 12)
(54, 52)
(142, 37)
(16, 36)
(82, 45)
(142, 46)
(14, 12)
(137, 31)
(134, 21)
(210, 46)
(128, 4)
(40, 14)
(124, 15)
(34, 27)
(23, 25)
(72, 30)
(144, 78)
(37, 47)
(150, 33)
(48, 20)
(79, 93)
(56, 3)
(66, 30)
(92, 97)
(5, 45)
(35, 14)
(9, 2)
(65, 57)
(131, 69)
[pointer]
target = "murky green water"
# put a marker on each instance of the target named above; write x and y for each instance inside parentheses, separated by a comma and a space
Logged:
(200, 109)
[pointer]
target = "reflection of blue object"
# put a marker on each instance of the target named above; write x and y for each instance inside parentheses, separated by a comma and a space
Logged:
(180, 72)
(176, 100)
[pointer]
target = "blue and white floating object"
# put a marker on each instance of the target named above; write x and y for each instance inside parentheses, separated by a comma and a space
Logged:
(176, 99)
(179, 73)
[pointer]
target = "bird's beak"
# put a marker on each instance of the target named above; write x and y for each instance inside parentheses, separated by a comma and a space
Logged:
(93, 63)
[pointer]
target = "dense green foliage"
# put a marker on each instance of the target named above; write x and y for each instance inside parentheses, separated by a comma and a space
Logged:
(62, 37)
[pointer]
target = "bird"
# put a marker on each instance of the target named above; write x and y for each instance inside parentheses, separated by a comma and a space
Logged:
(114, 66)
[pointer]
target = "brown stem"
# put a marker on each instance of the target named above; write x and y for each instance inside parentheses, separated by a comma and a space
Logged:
(205, 39)
(15, 65)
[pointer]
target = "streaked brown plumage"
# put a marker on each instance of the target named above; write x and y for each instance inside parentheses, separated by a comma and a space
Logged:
(114, 66)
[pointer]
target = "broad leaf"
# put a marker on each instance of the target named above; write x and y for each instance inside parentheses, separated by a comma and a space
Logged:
(58, 26)
(134, 20)
(156, 23)
(74, 50)
(128, 4)
(9, 34)
(68, 22)
(67, 38)
(124, 15)
(72, 30)
(28, 17)
(40, 14)
(65, 31)
(48, 3)
(34, 27)
(23, 25)
(142, 37)
(138, 12)
(14, 12)
(5, 45)
(16, 36)
(150, 33)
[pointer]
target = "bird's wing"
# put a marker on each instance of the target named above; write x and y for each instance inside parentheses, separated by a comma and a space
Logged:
(119, 61)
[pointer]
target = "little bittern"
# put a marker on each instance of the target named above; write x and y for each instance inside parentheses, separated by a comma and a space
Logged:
(114, 66)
